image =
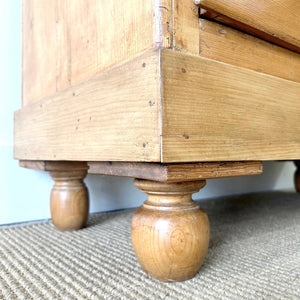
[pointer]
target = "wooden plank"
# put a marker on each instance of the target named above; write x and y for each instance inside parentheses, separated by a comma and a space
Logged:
(176, 172)
(164, 23)
(186, 26)
(160, 172)
(150, 171)
(38, 40)
(276, 21)
(213, 40)
(211, 170)
(67, 42)
(51, 165)
(212, 111)
(33, 164)
(112, 116)
(231, 46)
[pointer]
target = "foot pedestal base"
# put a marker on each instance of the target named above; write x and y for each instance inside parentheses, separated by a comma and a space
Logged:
(69, 200)
(170, 233)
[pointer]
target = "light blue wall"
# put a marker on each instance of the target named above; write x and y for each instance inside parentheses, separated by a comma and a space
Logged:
(24, 194)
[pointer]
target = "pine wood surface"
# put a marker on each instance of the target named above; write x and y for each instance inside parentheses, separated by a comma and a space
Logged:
(209, 111)
(212, 111)
(176, 172)
(170, 234)
(276, 21)
(67, 42)
(185, 26)
(112, 116)
(194, 35)
(161, 172)
(231, 46)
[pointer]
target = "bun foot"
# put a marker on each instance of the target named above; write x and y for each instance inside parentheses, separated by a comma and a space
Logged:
(69, 200)
(170, 233)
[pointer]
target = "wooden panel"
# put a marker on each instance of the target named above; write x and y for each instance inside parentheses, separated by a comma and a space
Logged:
(52, 165)
(160, 172)
(212, 111)
(112, 116)
(38, 39)
(186, 26)
(150, 171)
(176, 172)
(225, 44)
(276, 21)
(213, 40)
(66, 42)
(164, 23)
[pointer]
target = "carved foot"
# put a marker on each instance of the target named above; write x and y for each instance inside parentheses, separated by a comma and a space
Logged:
(69, 200)
(170, 233)
(297, 176)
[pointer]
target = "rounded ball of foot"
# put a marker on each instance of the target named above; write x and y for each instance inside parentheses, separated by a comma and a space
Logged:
(170, 245)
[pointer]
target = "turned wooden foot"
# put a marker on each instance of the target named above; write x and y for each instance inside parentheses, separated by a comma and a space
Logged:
(69, 200)
(170, 233)
(297, 176)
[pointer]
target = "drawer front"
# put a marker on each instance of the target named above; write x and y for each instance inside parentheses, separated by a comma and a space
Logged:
(276, 21)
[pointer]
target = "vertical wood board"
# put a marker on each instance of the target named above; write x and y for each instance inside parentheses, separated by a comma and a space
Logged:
(66, 42)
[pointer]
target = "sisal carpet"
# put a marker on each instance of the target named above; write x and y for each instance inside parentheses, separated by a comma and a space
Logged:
(254, 253)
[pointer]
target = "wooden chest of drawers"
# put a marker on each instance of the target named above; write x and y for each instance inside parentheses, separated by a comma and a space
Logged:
(171, 92)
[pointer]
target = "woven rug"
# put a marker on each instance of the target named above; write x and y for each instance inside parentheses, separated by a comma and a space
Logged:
(254, 253)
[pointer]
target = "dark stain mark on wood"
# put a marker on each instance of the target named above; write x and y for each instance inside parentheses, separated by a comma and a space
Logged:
(164, 8)
(223, 31)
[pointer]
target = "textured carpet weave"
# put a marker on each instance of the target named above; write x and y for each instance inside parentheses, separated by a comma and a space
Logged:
(254, 253)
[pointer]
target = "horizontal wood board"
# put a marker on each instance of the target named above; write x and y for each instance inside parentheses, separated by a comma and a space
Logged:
(276, 21)
(222, 43)
(113, 116)
(160, 172)
(212, 111)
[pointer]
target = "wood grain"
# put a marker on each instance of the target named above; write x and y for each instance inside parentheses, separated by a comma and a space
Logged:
(213, 40)
(67, 42)
(38, 39)
(164, 23)
(176, 172)
(69, 199)
(231, 46)
(217, 112)
(276, 21)
(112, 116)
(170, 234)
(162, 172)
(185, 26)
